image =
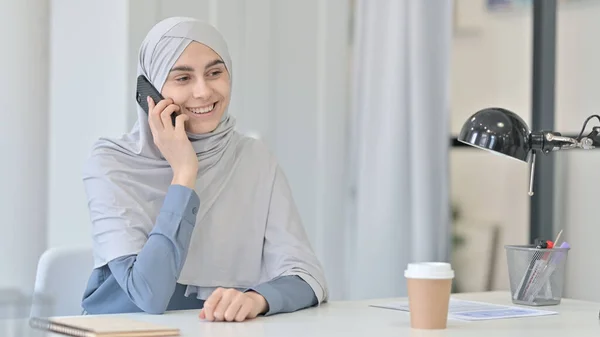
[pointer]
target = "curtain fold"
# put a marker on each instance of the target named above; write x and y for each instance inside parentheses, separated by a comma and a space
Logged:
(399, 210)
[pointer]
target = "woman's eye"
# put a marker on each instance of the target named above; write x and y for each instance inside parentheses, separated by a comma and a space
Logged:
(215, 73)
(182, 79)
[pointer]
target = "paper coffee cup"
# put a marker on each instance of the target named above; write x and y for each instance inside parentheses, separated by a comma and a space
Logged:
(429, 286)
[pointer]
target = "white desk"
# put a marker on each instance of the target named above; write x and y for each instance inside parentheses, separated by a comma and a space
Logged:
(575, 318)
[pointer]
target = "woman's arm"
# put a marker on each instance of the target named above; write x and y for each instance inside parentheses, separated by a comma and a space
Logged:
(145, 277)
(282, 294)
(149, 278)
(286, 294)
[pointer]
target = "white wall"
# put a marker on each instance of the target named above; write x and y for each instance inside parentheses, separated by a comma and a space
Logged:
(23, 140)
(88, 87)
(492, 66)
(290, 87)
(578, 80)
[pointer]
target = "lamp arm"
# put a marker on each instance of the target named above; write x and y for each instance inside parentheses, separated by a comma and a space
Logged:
(592, 140)
(554, 142)
(548, 141)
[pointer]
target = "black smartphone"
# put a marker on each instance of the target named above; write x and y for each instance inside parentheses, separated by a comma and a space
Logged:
(145, 89)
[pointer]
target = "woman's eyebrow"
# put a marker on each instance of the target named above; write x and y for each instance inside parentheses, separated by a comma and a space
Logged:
(182, 68)
(191, 69)
(213, 63)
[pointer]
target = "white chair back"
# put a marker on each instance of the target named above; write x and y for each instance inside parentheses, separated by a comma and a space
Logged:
(62, 276)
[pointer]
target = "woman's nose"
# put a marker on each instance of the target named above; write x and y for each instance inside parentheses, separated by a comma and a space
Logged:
(202, 90)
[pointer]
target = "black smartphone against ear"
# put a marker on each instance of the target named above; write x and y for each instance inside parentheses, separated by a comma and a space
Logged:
(145, 89)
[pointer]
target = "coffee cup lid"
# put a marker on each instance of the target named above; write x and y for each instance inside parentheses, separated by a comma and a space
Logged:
(429, 270)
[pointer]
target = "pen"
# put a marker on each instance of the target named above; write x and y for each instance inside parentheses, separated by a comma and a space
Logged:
(545, 272)
(533, 265)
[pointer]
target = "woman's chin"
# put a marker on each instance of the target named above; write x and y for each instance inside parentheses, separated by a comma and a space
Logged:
(202, 128)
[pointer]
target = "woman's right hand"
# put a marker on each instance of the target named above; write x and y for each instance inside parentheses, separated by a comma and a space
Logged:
(173, 142)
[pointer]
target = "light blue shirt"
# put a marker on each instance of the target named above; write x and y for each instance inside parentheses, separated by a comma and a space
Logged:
(147, 282)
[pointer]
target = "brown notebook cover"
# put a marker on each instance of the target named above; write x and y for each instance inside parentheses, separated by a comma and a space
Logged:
(102, 326)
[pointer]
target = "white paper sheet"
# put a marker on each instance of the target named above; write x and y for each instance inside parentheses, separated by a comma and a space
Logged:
(476, 311)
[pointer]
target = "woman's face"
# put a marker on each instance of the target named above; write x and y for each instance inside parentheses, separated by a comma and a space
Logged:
(200, 84)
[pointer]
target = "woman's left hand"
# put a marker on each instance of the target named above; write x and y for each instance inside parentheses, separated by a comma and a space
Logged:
(233, 305)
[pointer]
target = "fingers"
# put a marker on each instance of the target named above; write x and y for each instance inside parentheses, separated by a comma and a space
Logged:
(154, 113)
(245, 311)
(153, 119)
(160, 106)
(211, 303)
(239, 301)
(224, 303)
(227, 305)
(180, 123)
(165, 115)
(151, 104)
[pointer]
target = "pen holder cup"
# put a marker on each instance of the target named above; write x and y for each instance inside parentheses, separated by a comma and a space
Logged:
(536, 275)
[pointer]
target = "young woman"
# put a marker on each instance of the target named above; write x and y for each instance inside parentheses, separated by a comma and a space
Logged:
(194, 215)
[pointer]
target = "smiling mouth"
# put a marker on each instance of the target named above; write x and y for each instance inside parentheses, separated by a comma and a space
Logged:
(202, 110)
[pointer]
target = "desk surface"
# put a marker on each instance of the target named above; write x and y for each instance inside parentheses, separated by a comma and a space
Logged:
(357, 318)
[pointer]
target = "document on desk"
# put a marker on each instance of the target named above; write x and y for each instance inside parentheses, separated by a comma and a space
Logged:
(476, 311)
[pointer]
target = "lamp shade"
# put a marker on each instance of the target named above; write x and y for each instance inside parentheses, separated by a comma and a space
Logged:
(498, 130)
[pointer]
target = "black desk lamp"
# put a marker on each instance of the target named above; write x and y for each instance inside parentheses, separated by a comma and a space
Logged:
(503, 132)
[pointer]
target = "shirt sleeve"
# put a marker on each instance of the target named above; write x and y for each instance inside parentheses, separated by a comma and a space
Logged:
(148, 287)
(286, 294)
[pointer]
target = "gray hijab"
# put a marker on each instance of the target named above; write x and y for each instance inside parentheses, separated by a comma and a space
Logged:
(248, 229)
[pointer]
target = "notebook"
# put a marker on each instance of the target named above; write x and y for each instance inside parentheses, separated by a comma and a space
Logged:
(102, 326)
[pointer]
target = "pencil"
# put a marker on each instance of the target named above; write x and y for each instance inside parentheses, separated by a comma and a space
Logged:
(557, 237)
